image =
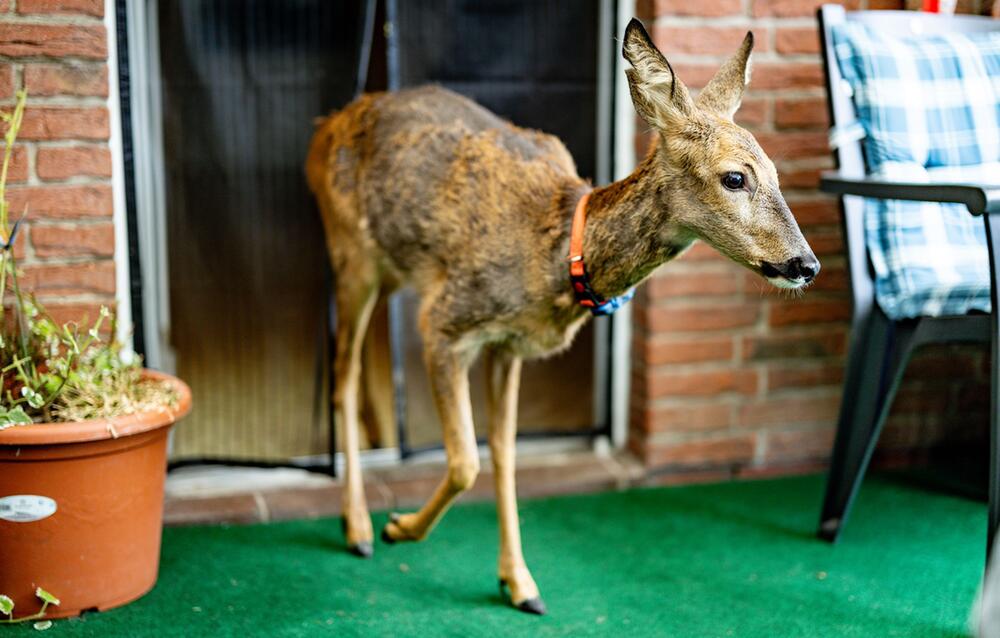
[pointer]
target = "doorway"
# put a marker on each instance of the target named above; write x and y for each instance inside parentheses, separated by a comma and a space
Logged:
(235, 280)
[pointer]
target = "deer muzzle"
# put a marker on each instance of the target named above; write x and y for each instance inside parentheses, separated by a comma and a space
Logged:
(797, 271)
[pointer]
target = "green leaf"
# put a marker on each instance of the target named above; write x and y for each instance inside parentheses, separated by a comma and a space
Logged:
(35, 399)
(42, 625)
(46, 596)
(17, 416)
(6, 605)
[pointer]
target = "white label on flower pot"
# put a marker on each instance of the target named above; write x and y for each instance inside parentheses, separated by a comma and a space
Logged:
(25, 508)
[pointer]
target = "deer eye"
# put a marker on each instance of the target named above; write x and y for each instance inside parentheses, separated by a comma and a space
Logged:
(734, 181)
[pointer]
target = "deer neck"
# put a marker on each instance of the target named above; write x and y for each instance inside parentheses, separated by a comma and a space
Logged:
(628, 232)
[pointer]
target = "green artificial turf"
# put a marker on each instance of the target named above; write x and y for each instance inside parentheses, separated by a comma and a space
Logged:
(736, 559)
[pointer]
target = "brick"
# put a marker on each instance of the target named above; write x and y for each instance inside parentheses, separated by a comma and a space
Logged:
(704, 40)
(85, 79)
(695, 74)
(783, 377)
(814, 212)
(17, 171)
(783, 411)
(83, 313)
(832, 279)
(701, 383)
(63, 201)
(782, 469)
(644, 137)
(973, 396)
(73, 161)
(645, 10)
(801, 113)
(687, 476)
(790, 40)
(801, 311)
(86, 7)
(752, 113)
(237, 509)
(6, 81)
(95, 278)
(794, 144)
(689, 418)
(943, 363)
(799, 178)
(73, 240)
(54, 40)
(678, 283)
(786, 75)
(729, 449)
(704, 8)
(911, 431)
(688, 350)
(699, 318)
(799, 444)
(825, 240)
(53, 123)
(921, 398)
(828, 343)
(21, 242)
(795, 8)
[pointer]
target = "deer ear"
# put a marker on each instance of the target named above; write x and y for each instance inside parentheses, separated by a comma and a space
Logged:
(657, 93)
(722, 96)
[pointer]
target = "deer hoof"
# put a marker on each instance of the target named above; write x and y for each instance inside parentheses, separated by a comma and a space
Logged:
(533, 606)
(361, 548)
(530, 606)
(386, 538)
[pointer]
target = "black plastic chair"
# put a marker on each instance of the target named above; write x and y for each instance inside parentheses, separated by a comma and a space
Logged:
(880, 347)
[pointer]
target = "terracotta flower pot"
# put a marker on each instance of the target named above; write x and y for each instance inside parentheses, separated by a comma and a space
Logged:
(81, 508)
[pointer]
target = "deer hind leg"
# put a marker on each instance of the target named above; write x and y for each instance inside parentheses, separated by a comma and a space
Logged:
(503, 376)
(356, 295)
(449, 377)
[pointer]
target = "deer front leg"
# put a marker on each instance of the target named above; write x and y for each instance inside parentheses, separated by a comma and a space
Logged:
(503, 376)
(450, 385)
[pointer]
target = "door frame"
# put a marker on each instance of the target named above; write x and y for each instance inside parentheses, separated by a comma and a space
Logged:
(144, 239)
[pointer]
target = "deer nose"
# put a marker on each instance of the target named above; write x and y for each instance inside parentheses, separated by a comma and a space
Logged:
(805, 268)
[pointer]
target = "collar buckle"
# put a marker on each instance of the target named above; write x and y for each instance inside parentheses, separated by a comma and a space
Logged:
(582, 290)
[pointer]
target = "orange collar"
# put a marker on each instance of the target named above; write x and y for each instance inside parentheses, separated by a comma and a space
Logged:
(576, 267)
(584, 292)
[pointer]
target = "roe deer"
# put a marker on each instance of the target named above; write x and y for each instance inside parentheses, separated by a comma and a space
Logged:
(427, 188)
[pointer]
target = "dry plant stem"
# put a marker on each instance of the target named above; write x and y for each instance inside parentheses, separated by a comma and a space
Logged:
(13, 127)
(38, 615)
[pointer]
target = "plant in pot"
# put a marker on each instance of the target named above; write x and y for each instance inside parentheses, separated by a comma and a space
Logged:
(83, 437)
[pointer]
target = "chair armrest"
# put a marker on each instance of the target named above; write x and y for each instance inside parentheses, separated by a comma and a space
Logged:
(977, 198)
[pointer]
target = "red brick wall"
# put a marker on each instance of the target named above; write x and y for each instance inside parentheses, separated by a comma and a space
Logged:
(730, 375)
(57, 50)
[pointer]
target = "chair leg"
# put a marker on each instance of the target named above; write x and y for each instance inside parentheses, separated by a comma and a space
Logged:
(880, 349)
(992, 222)
(994, 514)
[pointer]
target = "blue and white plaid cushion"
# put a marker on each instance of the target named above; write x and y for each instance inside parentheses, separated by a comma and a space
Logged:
(930, 107)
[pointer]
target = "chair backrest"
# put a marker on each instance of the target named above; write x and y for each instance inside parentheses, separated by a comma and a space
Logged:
(849, 155)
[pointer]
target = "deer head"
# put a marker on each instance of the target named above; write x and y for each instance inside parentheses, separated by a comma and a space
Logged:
(715, 180)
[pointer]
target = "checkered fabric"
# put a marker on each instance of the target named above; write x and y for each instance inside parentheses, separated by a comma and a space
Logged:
(930, 107)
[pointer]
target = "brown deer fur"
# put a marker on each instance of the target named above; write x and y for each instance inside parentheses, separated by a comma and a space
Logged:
(426, 188)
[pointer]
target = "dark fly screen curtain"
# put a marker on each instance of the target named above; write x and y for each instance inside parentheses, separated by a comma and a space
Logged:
(535, 63)
(242, 82)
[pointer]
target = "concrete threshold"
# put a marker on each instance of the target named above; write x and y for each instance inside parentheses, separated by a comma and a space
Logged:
(220, 494)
